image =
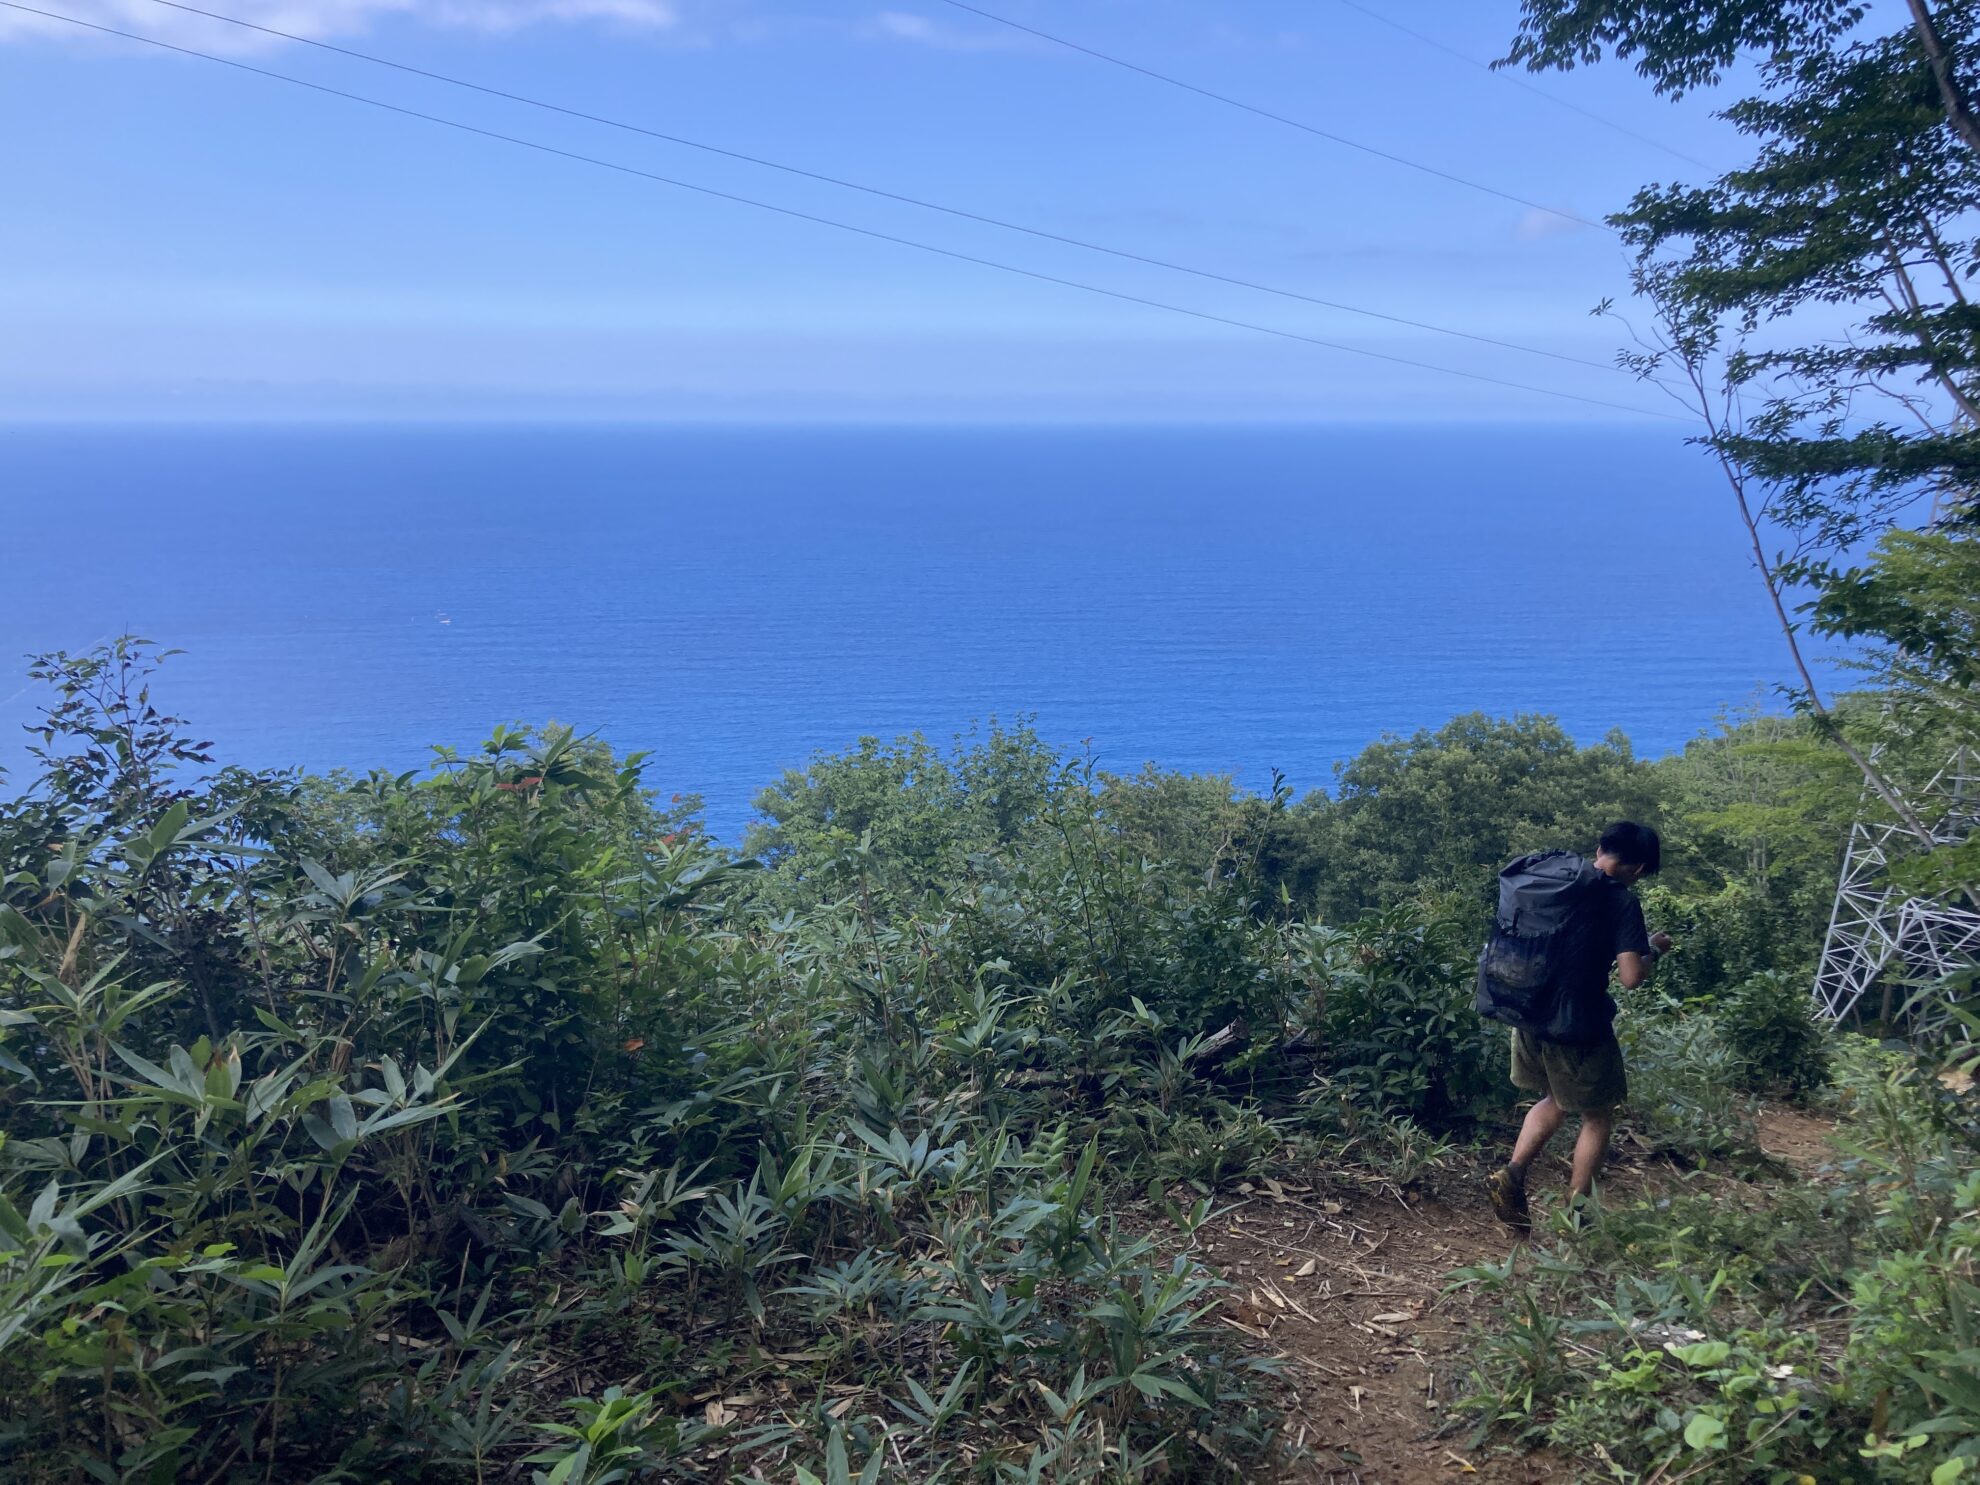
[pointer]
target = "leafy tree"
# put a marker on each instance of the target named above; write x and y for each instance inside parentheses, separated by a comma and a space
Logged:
(1758, 810)
(1759, 798)
(1918, 603)
(1190, 819)
(1440, 812)
(1685, 44)
(897, 820)
(1856, 216)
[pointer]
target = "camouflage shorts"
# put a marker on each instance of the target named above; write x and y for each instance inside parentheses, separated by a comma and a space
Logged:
(1580, 1080)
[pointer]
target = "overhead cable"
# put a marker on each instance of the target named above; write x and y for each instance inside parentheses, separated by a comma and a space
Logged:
(1278, 118)
(1517, 81)
(823, 221)
(884, 194)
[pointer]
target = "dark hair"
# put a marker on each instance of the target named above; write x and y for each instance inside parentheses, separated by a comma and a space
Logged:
(1634, 845)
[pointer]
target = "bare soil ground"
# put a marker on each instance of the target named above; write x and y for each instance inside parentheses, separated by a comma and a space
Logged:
(1800, 1141)
(1349, 1297)
(1348, 1291)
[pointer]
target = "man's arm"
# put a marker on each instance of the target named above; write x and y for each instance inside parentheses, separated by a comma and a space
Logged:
(1633, 968)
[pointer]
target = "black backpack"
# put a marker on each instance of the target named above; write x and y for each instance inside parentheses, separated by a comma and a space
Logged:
(1533, 939)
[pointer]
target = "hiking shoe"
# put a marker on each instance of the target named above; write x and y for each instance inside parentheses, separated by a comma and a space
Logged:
(1508, 1194)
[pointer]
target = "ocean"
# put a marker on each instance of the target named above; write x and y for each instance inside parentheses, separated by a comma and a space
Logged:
(734, 599)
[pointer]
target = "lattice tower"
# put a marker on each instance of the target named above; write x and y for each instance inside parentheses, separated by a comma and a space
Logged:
(1877, 932)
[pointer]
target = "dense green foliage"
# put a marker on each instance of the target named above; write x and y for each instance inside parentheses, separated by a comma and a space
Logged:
(493, 1122)
(896, 822)
(1441, 811)
(1754, 810)
(1818, 1329)
(435, 1127)
(1813, 307)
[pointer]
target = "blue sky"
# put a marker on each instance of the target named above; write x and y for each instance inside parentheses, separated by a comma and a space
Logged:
(185, 240)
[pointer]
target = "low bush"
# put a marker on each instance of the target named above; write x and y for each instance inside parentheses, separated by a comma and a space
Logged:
(489, 1125)
(1395, 1020)
(1685, 1082)
(1735, 1332)
(1769, 1023)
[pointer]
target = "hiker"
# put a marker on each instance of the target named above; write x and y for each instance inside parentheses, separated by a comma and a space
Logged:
(1563, 920)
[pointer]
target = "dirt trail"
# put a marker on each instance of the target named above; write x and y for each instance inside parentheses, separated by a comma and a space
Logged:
(1799, 1140)
(1348, 1292)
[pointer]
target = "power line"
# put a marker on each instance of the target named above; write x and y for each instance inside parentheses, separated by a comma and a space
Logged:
(805, 216)
(1277, 118)
(1518, 81)
(887, 195)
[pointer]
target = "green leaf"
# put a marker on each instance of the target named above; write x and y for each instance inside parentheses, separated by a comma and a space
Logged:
(265, 1093)
(383, 1120)
(160, 838)
(576, 1459)
(1701, 1353)
(1155, 1385)
(164, 1082)
(1705, 1432)
(12, 1223)
(322, 1133)
(343, 1118)
(328, 885)
(16, 930)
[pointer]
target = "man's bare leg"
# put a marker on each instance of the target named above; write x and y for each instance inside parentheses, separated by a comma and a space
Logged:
(1589, 1148)
(1507, 1187)
(1543, 1120)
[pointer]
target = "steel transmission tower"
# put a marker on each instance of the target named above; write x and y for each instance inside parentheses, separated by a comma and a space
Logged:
(1876, 930)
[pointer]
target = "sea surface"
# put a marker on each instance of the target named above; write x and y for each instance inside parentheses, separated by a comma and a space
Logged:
(734, 599)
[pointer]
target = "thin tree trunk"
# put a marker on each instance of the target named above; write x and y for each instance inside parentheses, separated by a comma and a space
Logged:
(1942, 258)
(1871, 773)
(1959, 113)
(1923, 337)
(1737, 480)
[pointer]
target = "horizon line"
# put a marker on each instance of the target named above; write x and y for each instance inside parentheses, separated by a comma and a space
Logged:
(482, 420)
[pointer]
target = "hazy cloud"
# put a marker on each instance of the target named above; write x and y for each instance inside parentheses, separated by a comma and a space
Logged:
(1535, 224)
(901, 25)
(327, 18)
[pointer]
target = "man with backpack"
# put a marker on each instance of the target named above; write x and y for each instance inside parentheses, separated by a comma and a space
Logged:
(1562, 921)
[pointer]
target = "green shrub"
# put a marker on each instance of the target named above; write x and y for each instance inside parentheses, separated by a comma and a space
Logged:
(1768, 1333)
(1394, 1016)
(1725, 936)
(1770, 1024)
(339, 1113)
(1684, 1082)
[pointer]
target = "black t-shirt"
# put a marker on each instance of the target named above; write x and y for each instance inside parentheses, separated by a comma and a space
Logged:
(1608, 922)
